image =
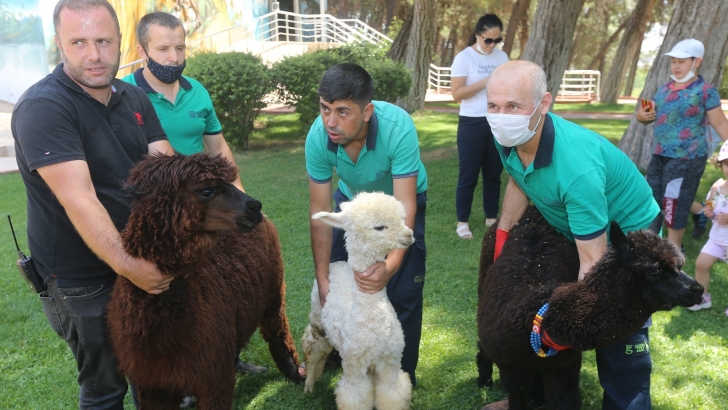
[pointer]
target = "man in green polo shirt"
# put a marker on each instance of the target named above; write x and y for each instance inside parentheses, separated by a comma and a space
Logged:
(580, 182)
(373, 146)
(183, 104)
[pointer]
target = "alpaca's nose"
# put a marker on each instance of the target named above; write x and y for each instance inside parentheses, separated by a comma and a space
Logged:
(253, 205)
(696, 288)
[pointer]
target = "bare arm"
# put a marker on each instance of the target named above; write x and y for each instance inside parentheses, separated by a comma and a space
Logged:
(376, 277)
(590, 252)
(162, 147)
(321, 235)
(71, 183)
(460, 91)
(216, 144)
(514, 205)
(719, 122)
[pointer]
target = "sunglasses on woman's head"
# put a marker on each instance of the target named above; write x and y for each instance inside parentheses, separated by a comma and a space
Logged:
(489, 41)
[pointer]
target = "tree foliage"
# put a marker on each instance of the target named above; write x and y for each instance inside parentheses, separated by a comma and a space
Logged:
(237, 83)
(299, 76)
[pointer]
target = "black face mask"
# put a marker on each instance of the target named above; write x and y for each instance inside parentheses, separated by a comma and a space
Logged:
(165, 73)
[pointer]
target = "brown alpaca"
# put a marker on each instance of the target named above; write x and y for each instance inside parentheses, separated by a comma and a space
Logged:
(226, 260)
(639, 275)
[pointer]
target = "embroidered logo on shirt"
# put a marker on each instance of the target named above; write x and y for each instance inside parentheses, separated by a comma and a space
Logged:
(139, 118)
(196, 114)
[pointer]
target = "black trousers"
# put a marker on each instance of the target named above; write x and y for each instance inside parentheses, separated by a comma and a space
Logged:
(477, 154)
(405, 288)
(78, 316)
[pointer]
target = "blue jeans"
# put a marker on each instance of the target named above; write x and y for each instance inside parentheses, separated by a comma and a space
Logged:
(624, 372)
(404, 289)
(78, 316)
(477, 153)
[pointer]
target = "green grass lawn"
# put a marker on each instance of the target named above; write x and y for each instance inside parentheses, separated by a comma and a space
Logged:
(689, 350)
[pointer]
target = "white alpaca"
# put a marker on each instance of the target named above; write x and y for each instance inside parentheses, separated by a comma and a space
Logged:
(363, 327)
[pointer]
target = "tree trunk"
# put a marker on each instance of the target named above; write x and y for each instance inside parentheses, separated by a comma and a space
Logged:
(597, 60)
(712, 31)
(518, 15)
(392, 6)
(418, 52)
(632, 37)
(632, 71)
(552, 35)
(523, 35)
(399, 46)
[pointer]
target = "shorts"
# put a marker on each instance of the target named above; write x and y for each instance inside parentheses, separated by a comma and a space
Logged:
(712, 248)
(674, 183)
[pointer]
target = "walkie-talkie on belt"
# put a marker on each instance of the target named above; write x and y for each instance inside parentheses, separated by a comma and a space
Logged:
(27, 267)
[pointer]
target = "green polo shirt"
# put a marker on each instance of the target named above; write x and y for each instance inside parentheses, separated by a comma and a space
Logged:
(186, 120)
(391, 151)
(581, 182)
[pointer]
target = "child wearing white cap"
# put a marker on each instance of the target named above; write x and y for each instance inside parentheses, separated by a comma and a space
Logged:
(716, 208)
(683, 107)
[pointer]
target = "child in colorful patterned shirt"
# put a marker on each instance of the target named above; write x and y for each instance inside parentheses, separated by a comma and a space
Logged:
(683, 108)
(716, 208)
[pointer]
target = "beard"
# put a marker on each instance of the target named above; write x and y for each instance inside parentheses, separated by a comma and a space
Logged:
(77, 73)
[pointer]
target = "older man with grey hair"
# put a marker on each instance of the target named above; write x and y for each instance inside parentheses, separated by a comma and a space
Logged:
(580, 182)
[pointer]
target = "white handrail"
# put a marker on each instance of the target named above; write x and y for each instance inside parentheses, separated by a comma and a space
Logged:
(282, 26)
(439, 77)
(580, 85)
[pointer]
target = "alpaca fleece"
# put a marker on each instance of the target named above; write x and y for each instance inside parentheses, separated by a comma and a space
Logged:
(638, 275)
(362, 327)
(228, 270)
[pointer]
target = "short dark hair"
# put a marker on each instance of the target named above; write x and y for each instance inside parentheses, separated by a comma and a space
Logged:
(82, 5)
(486, 22)
(158, 18)
(347, 81)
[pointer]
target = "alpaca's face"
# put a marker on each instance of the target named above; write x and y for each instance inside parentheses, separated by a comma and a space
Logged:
(377, 219)
(660, 262)
(222, 206)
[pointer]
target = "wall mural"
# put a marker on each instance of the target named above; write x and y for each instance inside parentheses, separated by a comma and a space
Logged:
(28, 51)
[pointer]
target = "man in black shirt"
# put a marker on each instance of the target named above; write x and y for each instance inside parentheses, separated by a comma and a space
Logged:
(77, 134)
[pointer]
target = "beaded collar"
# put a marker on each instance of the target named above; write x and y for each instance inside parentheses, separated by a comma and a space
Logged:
(536, 338)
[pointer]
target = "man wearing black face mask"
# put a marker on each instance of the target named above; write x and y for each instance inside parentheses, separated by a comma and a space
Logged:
(183, 104)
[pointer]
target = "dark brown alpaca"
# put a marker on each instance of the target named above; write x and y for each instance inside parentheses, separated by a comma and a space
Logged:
(639, 275)
(226, 259)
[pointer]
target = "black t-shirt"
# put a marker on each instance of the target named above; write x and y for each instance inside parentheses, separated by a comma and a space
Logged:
(56, 121)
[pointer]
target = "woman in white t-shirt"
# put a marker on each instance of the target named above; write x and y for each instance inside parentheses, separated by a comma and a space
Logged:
(469, 75)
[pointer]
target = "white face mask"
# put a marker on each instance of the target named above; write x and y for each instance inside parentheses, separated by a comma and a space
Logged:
(480, 50)
(511, 130)
(689, 76)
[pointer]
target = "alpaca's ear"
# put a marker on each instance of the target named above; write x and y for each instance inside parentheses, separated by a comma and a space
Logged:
(337, 220)
(656, 225)
(135, 190)
(620, 244)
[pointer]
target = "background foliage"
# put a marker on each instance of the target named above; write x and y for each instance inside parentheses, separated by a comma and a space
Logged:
(237, 83)
(299, 76)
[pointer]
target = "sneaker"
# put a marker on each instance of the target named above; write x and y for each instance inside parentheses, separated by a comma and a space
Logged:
(705, 304)
(700, 223)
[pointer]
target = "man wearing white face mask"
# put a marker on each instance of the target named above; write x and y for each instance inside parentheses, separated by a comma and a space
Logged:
(681, 112)
(580, 182)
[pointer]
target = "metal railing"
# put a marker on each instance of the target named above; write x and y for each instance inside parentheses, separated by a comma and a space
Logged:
(579, 85)
(271, 30)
